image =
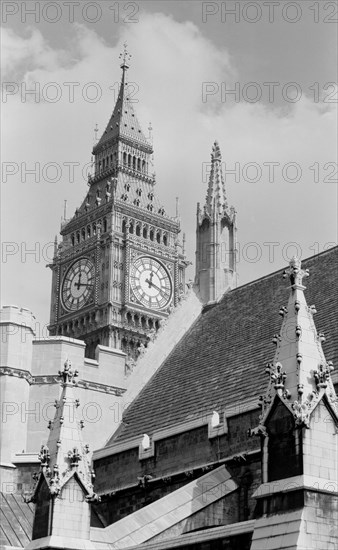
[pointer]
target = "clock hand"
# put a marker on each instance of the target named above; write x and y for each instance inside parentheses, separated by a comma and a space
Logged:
(151, 284)
(78, 284)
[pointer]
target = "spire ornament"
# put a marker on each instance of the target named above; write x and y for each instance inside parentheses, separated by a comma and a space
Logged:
(299, 374)
(67, 375)
(65, 440)
(296, 273)
(125, 56)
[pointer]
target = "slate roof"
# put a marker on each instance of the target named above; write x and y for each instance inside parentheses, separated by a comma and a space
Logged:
(221, 360)
(16, 521)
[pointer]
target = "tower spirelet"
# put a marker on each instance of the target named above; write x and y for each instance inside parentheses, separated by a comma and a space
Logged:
(125, 56)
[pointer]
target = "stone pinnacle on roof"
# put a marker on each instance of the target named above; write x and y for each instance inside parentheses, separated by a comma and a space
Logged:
(65, 454)
(299, 373)
(123, 123)
(216, 196)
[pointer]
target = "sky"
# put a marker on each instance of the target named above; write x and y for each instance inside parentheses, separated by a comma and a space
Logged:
(260, 77)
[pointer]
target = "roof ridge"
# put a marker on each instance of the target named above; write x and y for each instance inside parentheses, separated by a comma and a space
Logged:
(275, 273)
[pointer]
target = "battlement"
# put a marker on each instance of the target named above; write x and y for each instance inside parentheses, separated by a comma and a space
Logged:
(17, 316)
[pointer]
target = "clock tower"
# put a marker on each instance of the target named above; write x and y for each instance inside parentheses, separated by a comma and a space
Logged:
(120, 267)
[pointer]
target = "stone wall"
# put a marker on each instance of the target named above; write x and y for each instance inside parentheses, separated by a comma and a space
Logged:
(127, 483)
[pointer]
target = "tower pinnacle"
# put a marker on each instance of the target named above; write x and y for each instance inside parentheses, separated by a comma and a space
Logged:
(125, 56)
(123, 126)
(215, 237)
(299, 374)
(65, 484)
(298, 430)
(216, 195)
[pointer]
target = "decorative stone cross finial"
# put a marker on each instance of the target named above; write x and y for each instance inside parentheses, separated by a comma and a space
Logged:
(125, 56)
(296, 273)
(67, 375)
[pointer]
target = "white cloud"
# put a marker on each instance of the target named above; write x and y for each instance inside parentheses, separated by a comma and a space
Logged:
(170, 62)
(33, 51)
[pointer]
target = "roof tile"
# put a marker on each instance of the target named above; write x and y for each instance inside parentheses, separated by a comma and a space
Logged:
(220, 360)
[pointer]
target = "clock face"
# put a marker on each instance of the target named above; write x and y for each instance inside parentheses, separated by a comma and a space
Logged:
(78, 284)
(151, 283)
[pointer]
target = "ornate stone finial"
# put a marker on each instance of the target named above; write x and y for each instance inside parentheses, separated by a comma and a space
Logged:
(67, 375)
(322, 375)
(216, 152)
(301, 413)
(74, 457)
(44, 456)
(296, 273)
(277, 375)
(125, 56)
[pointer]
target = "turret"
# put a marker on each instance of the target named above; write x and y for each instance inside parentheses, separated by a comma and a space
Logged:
(297, 501)
(215, 237)
(64, 487)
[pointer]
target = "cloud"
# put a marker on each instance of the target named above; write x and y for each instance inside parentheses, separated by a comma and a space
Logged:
(170, 62)
(20, 53)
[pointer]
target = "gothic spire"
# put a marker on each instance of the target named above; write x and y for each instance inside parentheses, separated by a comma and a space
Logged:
(123, 123)
(215, 237)
(216, 196)
(299, 373)
(65, 455)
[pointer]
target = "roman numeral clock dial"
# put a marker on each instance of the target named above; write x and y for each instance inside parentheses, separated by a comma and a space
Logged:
(151, 283)
(78, 284)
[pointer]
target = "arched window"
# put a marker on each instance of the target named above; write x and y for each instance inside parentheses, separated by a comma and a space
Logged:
(165, 240)
(78, 237)
(129, 161)
(158, 237)
(284, 444)
(139, 164)
(88, 231)
(145, 233)
(134, 163)
(143, 165)
(73, 239)
(124, 158)
(83, 234)
(131, 227)
(104, 225)
(151, 235)
(124, 226)
(94, 228)
(138, 230)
